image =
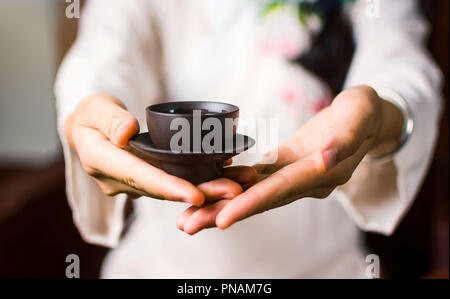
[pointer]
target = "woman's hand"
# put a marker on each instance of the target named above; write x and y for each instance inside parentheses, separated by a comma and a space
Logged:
(320, 156)
(99, 130)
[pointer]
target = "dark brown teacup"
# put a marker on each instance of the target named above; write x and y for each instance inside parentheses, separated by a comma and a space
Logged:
(192, 126)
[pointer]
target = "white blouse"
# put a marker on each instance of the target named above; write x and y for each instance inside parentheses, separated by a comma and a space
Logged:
(147, 51)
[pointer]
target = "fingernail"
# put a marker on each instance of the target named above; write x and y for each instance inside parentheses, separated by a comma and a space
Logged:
(329, 159)
(122, 128)
(221, 222)
(227, 196)
(180, 223)
(197, 202)
(194, 202)
(119, 132)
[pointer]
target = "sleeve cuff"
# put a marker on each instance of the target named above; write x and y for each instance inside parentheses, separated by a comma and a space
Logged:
(99, 218)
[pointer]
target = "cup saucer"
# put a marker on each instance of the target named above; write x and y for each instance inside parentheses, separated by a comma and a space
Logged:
(196, 167)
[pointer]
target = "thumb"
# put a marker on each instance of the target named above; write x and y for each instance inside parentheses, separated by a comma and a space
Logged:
(353, 121)
(123, 128)
(110, 116)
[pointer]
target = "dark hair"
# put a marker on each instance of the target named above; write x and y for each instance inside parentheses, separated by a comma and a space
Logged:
(332, 49)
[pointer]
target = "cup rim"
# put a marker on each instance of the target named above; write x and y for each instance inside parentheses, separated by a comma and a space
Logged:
(150, 109)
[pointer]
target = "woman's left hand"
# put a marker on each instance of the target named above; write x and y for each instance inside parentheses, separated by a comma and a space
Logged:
(321, 155)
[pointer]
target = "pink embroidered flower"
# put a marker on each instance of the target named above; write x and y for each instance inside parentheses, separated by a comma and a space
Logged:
(291, 94)
(287, 47)
(319, 104)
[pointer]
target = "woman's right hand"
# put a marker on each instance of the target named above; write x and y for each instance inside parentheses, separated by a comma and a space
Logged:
(99, 130)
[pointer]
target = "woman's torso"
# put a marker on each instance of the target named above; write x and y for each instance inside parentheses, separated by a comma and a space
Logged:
(226, 51)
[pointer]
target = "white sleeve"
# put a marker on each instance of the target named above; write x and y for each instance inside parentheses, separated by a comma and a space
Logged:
(391, 57)
(114, 53)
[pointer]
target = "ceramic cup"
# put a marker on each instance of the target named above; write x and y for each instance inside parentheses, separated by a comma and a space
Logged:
(195, 126)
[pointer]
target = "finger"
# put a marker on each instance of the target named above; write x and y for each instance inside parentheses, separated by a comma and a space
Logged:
(185, 215)
(353, 120)
(221, 188)
(109, 116)
(241, 174)
(292, 179)
(100, 156)
(195, 219)
(203, 217)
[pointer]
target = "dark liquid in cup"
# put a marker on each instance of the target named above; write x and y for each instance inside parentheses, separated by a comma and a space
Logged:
(191, 111)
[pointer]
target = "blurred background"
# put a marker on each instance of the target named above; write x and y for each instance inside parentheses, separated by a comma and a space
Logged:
(36, 228)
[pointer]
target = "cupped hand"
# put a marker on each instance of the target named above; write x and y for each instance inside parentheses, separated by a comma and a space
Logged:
(320, 156)
(99, 130)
